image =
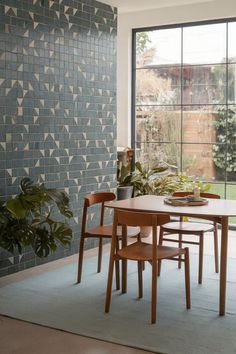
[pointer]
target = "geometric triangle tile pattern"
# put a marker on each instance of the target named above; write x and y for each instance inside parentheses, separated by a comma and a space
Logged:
(57, 103)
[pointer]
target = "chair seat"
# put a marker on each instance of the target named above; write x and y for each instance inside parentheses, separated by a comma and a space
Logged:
(142, 251)
(106, 231)
(187, 227)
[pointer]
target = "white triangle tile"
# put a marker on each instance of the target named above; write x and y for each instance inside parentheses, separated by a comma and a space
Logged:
(26, 148)
(76, 218)
(19, 100)
(11, 260)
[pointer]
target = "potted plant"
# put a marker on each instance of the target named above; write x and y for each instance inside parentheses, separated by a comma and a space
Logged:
(124, 176)
(144, 177)
(27, 220)
(158, 180)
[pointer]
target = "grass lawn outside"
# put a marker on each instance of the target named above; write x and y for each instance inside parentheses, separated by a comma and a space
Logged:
(225, 191)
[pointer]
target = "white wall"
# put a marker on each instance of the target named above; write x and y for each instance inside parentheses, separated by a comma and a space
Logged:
(213, 9)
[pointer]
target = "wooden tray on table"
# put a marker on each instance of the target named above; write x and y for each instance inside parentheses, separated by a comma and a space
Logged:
(185, 201)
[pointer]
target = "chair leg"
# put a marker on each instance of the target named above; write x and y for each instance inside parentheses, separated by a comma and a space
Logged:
(160, 243)
(100, 255)
(180, 256)
(110, 276)
(216, 248)
(187, 278)
(154, 290)
(117, 266)
(124, 276)
(200, 265)
(139, 239)
(80, 260)
(124, 268)
(140, 279)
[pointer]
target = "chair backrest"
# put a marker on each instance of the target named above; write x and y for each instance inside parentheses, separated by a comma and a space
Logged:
(127, 218)
(134, 218)
(202, 194)
(96, 198)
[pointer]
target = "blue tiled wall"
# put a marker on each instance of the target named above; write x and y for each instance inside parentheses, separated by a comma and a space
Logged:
(57, 103)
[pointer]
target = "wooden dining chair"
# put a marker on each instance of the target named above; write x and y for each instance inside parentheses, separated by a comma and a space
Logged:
(192, 228)
(100, 231)
(141, 251)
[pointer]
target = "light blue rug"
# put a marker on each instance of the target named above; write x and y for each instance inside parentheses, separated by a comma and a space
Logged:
(53, 299)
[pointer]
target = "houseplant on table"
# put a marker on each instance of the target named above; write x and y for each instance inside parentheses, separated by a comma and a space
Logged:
(27, 220)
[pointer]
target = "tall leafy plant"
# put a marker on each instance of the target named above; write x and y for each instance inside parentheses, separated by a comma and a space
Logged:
(27, 220)
(143, 178)
(225, 134)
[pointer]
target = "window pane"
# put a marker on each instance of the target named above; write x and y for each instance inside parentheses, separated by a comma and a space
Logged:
(231, 125)
(219, 159)
(218, 188)
(158, 124)
(232, 83)
(231, 163)
(155, 153)
(204, 44)
(204, 84)
(158, 47)
(199, 123)
(231, 194)
(186, 101)
(231, 191)
(231, 41)
(225, 124)
(198, 161)
(158, 86)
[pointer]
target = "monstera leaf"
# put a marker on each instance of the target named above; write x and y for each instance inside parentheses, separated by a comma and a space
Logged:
(26, 220)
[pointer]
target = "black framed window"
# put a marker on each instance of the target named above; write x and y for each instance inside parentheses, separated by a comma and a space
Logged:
(184, 100)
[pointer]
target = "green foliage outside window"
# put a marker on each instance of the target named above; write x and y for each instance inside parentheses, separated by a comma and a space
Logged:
(224, 155)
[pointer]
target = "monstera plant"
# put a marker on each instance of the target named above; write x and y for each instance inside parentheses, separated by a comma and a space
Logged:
(28, 220)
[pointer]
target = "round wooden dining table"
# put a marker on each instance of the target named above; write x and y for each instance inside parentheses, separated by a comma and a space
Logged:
(220, 208)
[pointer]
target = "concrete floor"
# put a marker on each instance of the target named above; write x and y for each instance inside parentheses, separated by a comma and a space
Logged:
(18, 337)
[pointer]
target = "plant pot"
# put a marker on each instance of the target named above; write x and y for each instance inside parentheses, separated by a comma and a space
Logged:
(124, 192)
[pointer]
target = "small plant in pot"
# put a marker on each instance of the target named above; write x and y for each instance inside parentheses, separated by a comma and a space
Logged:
(27, 220)
(124, 176)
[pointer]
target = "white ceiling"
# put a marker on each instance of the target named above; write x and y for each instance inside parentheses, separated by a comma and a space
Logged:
(139, 5)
